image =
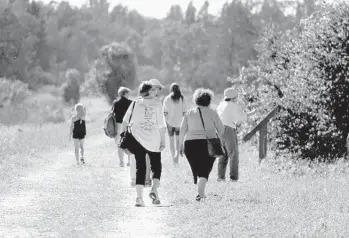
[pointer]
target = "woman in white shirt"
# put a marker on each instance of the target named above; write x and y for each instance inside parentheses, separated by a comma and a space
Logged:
(174, 109)
(148, 129)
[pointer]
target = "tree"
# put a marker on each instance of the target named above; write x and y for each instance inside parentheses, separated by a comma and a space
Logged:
(116, 68)
(175, 13)
(190, 14)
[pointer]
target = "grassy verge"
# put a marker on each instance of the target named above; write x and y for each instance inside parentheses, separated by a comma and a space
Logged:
(23, 146)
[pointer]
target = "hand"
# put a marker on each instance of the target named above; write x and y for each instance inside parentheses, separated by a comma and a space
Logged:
(181, 150)
(162, 145)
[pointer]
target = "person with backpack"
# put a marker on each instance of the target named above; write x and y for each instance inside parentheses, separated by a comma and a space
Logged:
(119, 109)
(146, 121)
(174, 109)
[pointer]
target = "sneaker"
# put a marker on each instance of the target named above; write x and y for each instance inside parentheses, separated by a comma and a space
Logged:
(233, 180)
(139, 202)
(82, 160)
(155, 198)
(200, 199)
(128, 163)
(122, 164)
(148, 183)
(220, 180)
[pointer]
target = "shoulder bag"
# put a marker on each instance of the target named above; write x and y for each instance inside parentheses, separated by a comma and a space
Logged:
(215, 148)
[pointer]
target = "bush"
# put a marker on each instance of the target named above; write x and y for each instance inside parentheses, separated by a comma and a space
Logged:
(39, 78)
(90, 87)
(12, 91)
(309, 65)
(71, 89)
(117, 68)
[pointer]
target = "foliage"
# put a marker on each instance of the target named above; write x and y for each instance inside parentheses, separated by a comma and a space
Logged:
(117, 68)
(71, 89)
(55, 37)
(308, 67)
(12, 91)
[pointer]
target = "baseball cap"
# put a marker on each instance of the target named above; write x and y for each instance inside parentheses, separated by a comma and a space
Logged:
(156, 83)
(230, 93)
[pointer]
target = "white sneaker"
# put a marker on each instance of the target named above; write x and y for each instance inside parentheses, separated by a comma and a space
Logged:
(139, 202)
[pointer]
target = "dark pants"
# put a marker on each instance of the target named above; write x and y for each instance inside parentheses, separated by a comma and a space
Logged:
(230, 142)
(197, 155)
(140, 155)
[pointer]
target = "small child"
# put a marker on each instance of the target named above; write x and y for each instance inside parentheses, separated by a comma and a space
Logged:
(78, 131)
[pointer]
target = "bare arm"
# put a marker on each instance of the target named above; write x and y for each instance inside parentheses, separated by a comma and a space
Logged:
(126, 118)
(71, 127)
(162, 126)
(219, 125)
(184, 129)
(184, 106)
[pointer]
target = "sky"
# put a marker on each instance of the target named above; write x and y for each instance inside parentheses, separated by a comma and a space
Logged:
(159, 8)
(155, 8)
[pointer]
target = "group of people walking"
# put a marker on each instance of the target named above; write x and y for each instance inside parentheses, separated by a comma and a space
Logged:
(149, 118)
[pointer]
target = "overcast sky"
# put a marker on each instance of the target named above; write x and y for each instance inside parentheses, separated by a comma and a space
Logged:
(156, 8)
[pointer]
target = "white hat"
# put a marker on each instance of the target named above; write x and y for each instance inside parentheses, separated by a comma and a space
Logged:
(156, 83)
(230, 93)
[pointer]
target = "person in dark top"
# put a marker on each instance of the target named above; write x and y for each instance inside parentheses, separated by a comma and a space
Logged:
(78, 131)
(119, 108)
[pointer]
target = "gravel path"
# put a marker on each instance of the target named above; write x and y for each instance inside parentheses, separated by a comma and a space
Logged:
(62, 199)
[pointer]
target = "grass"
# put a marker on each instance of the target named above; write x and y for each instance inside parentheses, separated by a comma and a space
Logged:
(25, 145)
(264, 203)
(277, 198)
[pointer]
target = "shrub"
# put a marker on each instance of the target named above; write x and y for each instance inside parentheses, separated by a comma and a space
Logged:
(90, 87)
(117, 68)
(71, 89)
(309, 66)
(12, 91)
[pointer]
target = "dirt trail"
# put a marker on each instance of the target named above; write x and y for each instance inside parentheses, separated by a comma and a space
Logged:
(67, 200)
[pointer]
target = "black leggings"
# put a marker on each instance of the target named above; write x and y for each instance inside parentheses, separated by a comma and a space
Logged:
(140, 155)
(200, 162)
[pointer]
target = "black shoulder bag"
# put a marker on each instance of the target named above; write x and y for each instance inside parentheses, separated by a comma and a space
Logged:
(126, 137)
(214, 145)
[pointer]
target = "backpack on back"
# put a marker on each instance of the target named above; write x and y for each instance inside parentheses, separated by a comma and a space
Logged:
(110, 125)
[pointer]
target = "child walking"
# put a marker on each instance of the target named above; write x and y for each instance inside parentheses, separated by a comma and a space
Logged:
(78, 131)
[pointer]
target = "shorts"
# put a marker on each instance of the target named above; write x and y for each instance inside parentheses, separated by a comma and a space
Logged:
(172, 130)
(78, 136)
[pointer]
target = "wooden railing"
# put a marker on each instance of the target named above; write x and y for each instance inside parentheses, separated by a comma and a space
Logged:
(262, 127)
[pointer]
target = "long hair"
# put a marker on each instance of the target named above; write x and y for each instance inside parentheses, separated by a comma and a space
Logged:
(175, 92)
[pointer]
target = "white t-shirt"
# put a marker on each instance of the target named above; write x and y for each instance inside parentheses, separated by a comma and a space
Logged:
(174, 111)
(146, 122)
(231, 113)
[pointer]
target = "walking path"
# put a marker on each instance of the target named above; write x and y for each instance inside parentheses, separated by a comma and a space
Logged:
(62, 199)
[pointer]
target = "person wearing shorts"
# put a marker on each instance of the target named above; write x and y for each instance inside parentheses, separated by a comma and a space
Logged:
(174, 109)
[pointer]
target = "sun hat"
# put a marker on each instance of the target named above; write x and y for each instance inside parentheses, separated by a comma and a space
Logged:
(230, 93)
(156, 83)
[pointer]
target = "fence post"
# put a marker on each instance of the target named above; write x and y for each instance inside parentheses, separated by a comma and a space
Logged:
(263, 138)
